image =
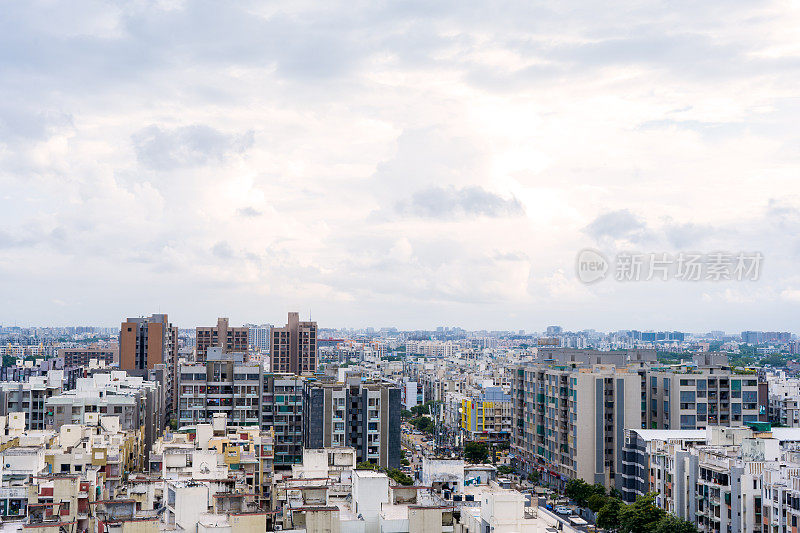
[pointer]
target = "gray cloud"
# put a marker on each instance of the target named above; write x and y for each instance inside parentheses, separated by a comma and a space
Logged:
(451, 202)
(686, 235)
(222, 250)
(19, 124)
(166, 149)
(249, 212)
(621, 224)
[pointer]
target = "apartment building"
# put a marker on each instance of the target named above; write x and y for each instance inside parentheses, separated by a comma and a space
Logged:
(81, 356)
(364, 415)
(412, 393)
(438, 349)
(224, 383)
(570, 422)
(653, 460)
(137, 404)
(699, 397)
(148, 341)
(487, 416)
(259, 337)
(784, 399)
(282, 409)
(29, 397)
(222, 335)
(293, 348)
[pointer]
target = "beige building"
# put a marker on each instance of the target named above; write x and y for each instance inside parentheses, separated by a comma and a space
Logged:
(571, 423)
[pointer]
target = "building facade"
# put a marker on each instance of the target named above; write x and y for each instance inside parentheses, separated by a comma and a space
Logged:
(293, 347)
(148, 341)
(360, 414)
(223, 336)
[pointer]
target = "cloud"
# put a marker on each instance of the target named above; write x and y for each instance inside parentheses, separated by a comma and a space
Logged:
(618, 225)
(222, 250)
(450, 202)
(400, 162)
(687, 235)
(249, 212)
(170, 148)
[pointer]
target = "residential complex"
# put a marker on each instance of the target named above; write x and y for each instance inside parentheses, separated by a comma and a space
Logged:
(293, 348)
(149, 341)
(228, 339)
(363, 415)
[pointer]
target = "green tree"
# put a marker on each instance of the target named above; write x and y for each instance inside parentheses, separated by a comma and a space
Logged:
(580, 491)
(476, 452)
(366, 465)
(405, 462)
(673, 524)
(534, 477)
(609, 516)
(423, 423)
(400, 477)
(505, 470)
(406, 414)
(595, 502)
(642, 515)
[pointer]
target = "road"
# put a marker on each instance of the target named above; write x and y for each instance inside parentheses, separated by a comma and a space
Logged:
(410, 443)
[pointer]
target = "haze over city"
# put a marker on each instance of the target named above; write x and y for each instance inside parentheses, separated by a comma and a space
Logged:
(389, 164)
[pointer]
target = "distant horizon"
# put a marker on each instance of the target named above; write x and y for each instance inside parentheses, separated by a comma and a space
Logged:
(321, 326)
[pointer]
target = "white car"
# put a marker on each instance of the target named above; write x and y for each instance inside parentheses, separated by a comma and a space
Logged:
(561, 509)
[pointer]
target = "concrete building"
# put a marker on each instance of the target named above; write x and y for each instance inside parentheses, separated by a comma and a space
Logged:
(360, 414)
(148, 341)
(136, 402)
(487, 416)
(223, 383)
(293, 348)
(784, 399)
(570, 423)
(259, 337)
(706, 394)
(227, 338)
(29, 397)
(282, 409)
(81, 356)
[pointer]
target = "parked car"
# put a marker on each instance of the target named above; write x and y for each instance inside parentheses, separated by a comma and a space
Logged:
(563, 509)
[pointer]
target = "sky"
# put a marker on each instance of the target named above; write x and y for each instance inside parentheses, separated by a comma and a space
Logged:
(412, 164)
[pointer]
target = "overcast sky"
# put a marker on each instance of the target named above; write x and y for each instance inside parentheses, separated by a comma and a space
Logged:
(406, 163)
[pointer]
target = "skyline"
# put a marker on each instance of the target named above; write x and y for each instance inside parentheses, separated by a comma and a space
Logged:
(435, 329)
(395, 164)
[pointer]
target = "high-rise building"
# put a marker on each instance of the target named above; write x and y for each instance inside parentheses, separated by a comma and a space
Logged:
(259, 337)
(294, 347)
(282, 409)
(364, 415)
(148, 341)
(228, 338)
(570, 424)
(224, 383)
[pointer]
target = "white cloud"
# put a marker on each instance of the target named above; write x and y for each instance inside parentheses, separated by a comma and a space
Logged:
(415, 162)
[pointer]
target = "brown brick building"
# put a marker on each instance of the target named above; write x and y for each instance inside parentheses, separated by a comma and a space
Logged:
(148, 341)
(293, 348)
(228, 338)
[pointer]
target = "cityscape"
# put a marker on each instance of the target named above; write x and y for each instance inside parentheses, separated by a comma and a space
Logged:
(295, 426)
(391, 266)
